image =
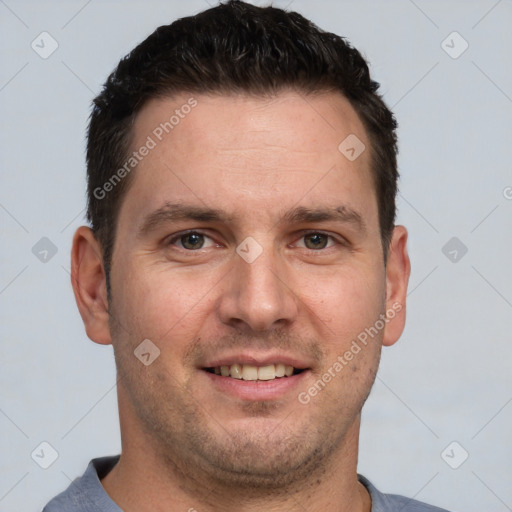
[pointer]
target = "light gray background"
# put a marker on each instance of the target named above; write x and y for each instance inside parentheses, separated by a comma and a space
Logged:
(448, 379)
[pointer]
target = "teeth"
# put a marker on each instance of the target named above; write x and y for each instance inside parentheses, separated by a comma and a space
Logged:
(280, 370)
(251, 372)
(267, 372)
(236, 371)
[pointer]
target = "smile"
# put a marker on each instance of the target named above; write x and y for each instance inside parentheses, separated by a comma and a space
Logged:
(254, 373)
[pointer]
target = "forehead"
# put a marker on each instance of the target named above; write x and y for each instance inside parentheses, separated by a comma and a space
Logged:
(250, 152)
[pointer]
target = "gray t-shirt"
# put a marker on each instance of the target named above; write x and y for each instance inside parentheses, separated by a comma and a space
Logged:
(86, 494)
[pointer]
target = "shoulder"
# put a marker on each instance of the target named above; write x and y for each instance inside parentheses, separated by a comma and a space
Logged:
(392, 502)
(86, 494)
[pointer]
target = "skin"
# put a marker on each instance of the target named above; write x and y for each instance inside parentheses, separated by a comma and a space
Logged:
(186, 441)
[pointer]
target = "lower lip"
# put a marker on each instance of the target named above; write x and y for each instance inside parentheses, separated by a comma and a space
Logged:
(257, 390)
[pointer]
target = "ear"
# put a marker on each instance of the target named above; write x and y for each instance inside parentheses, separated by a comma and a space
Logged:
(398, 269)
(89, 285)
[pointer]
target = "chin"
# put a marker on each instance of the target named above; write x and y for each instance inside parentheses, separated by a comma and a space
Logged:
(262, 458)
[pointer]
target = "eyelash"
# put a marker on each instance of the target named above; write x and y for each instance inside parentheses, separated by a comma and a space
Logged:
(178, 236)
(332, 238)
(337, 240)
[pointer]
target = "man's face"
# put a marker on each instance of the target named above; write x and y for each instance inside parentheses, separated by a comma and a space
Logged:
(247, 238)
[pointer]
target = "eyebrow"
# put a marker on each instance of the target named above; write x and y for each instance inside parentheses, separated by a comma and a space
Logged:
(177, 211)
(170, 212)
(344, 214)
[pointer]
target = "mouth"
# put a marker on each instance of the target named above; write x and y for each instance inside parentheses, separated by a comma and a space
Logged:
(252, 376)
(251, 372)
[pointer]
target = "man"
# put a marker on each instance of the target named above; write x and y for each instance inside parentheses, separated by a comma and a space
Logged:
(243, 261)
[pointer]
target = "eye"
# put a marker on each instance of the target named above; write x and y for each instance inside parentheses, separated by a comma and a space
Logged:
(317, 241)
(192, 241)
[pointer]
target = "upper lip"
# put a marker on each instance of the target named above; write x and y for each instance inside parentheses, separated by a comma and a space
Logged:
(258, 359)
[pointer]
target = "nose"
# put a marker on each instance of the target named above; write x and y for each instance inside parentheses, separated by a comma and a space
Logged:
(256, 296)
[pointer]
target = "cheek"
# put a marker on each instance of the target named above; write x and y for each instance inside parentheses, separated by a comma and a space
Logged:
(158, 303)
(345, 302)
